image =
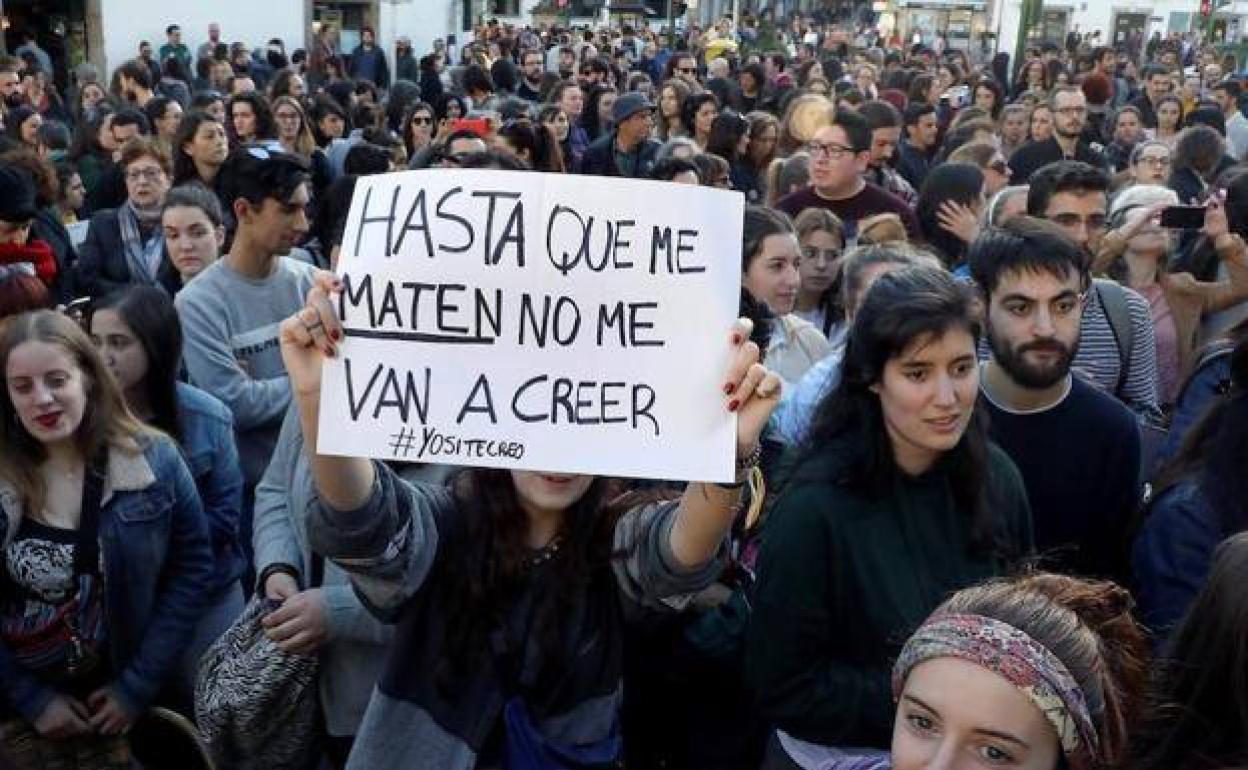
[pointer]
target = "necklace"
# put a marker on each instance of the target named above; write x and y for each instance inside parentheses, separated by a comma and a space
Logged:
(547, 552)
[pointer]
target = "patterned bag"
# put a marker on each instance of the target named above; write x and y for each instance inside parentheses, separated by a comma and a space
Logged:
(257, 706)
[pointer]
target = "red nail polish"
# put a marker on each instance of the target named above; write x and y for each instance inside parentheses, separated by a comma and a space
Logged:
(336, 334)
(736, 339)
(729, 388)
(733, 404)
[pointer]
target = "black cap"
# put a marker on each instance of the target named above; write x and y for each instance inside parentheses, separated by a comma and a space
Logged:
(17, 195)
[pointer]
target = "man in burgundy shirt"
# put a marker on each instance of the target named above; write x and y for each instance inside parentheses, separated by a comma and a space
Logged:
(839, 154)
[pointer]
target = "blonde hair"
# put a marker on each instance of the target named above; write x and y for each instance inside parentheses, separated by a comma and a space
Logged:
(106, 420)
(881, 228)
(305, 144)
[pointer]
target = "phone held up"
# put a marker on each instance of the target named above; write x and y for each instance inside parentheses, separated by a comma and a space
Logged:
(1183, 217)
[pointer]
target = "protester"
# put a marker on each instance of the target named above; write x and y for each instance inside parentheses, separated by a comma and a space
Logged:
(663, 550)
(948, 209)
(227, 313)
(126, 245)
(194, 229)
(1070, 110)
(839, 153)
(627, 150)
(81, 473)
(819, 298)
(137, 334)
(895, 499)
(1040, 671)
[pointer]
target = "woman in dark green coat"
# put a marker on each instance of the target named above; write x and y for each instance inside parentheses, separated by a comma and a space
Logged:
(895, 501)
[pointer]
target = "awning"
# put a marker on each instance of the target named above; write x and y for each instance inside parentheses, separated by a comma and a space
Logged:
(945, 5)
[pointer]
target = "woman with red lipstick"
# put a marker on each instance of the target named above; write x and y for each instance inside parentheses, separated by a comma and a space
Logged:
(509, 589)
(895, 500)
(105, 558)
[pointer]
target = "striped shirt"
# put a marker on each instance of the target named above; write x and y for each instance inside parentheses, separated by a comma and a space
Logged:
(1099, 361)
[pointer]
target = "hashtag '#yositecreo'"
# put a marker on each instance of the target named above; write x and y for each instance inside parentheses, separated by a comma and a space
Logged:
(403, 442)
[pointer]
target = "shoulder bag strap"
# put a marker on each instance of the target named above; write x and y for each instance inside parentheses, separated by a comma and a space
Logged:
(87, 544)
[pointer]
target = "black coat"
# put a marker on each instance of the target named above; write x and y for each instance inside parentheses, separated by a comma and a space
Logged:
(102, 265)
(599, 159)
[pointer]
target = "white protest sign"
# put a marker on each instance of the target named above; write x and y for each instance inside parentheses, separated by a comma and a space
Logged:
(537, 321)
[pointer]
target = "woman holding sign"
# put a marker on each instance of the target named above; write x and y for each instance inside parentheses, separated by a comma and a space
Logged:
(508, 589)
(895, 499)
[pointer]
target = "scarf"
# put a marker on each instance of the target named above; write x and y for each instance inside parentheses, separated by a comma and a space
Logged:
(143, 259)
(1022, 661)
(34, 253)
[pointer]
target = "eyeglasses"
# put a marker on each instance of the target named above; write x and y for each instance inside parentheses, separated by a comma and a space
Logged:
(1072, 111)
(831, 150)
(1160, 161)
(1092, 223)
(687, 70)
(827, 256)
(150, 174)
(422, 120)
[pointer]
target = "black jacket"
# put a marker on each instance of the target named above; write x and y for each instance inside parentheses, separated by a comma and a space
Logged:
(47, 227)
(1029, 158)
(102, 265)
(599, 159)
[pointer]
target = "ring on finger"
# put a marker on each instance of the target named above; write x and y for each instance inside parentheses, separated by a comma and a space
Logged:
(313, 326)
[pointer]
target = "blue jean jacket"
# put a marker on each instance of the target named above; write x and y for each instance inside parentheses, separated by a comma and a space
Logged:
(157, 570)
(208, 447)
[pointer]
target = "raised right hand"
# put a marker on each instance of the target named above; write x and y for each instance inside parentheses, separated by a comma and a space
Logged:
(63, 717)
(311, 335)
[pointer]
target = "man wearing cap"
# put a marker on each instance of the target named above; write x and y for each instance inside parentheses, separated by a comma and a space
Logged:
(627, 151)
(17, 211)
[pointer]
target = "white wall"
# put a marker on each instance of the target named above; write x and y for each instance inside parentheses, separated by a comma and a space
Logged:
(420, 20)
(127, 22)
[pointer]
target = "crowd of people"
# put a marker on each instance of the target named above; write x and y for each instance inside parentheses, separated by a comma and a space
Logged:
(990, 386)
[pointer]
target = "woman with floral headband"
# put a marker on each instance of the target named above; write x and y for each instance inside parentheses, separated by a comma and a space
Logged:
(1039, 672)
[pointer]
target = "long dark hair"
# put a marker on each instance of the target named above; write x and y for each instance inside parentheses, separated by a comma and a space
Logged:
(960, 182)
(1198, 715)
(900, 308)
(184, 169)
(485, 559)
(590, 119)
(150, 314)
(726, 132)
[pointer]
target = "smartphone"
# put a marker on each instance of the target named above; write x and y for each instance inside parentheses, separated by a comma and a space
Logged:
(479, 126)
(1183, 217)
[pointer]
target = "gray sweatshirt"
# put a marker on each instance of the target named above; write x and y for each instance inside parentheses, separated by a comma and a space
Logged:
(230, 327)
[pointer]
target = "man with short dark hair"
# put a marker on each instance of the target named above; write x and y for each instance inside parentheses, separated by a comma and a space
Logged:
(915, 149)
(885, 123)
(1077, 448)
(368, 61)
(231, 312)
(11, 94)
(1226, 94)
(627, 150)
(175, 48)
(533, 76)
(1119, 357)
(1157, 83)
(1070, 115)
(839, 154)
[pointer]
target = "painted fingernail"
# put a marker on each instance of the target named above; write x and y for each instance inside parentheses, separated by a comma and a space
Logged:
(729, 388)
(736, 338)
(336, 334)
(733, 404)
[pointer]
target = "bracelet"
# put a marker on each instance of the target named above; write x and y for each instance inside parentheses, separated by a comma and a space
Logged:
(744, 466)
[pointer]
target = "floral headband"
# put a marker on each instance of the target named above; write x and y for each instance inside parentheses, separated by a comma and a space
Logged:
(1026, 664)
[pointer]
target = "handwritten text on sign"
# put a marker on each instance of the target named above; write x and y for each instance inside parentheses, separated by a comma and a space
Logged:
(536, 321)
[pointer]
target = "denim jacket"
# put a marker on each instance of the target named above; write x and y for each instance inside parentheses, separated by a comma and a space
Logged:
(209, 450)
(157, 570)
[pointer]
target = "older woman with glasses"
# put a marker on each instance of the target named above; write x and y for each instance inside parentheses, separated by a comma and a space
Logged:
(126, 245)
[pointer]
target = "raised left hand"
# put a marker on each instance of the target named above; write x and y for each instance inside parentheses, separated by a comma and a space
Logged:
(1216, 224)
(108, 715)
(751, 389)
(959, 220)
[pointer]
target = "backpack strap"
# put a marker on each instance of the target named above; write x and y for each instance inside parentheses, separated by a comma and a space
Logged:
(1113, 299)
